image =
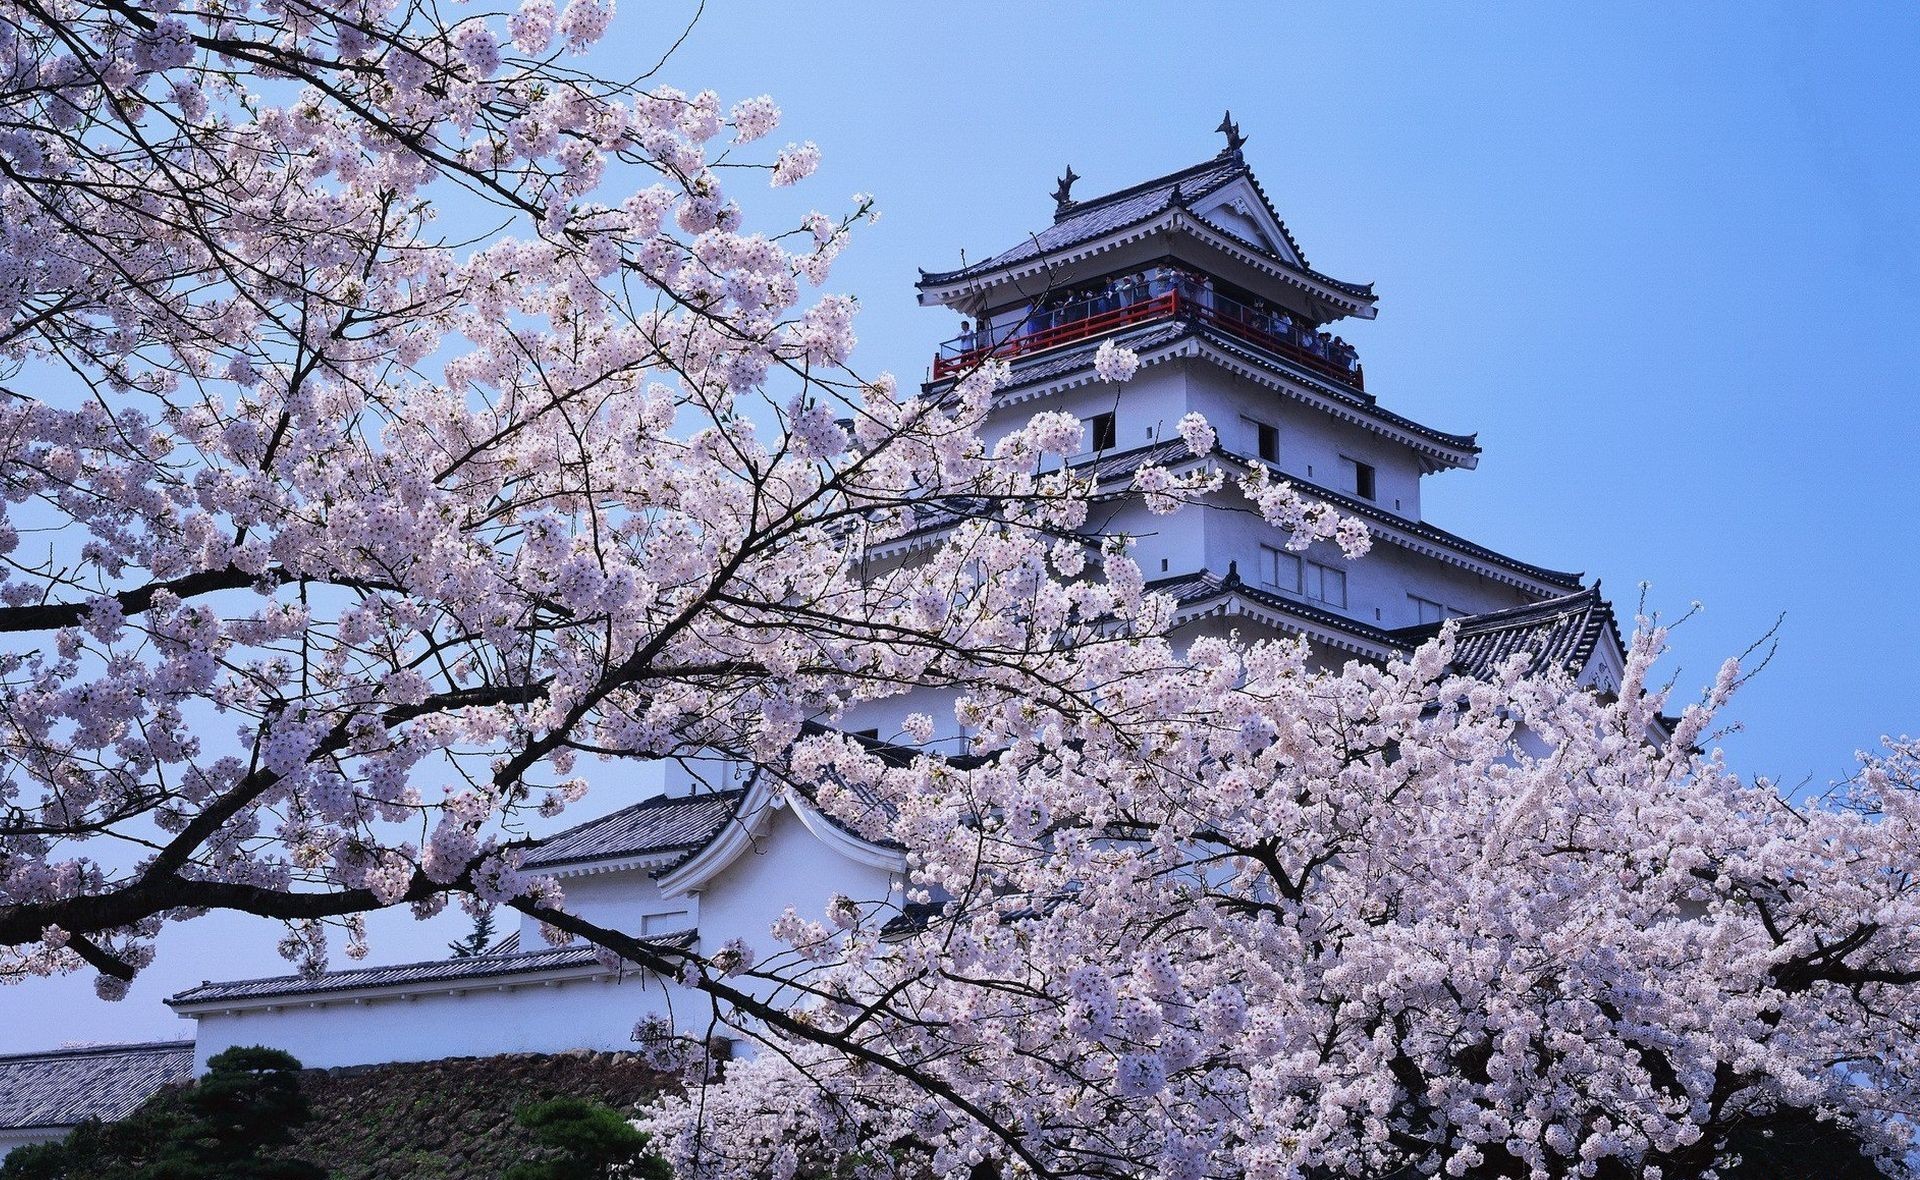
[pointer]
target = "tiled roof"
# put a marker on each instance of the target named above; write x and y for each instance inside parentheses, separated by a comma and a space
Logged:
(1083, 221)
(449, 972)
(1192, 589)
(1420, 528)
(660, 824)
(1362, 401)
(1560, 633)
(1050, 365)
(62, 1087)
(1116, 467)
(1086, 220)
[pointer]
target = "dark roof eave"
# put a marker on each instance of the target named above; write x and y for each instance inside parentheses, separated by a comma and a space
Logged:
(433, 973)
(1464, 444)
(1362, 293)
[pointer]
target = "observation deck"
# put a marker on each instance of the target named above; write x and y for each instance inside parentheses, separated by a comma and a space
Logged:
(1160, 294)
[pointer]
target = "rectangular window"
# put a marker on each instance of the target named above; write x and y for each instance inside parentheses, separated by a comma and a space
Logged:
(1326, 585)
(1266, 439)
(1280, 569)
(1429, 612)
(671, 922)
(1359, 477)
(1101, 427)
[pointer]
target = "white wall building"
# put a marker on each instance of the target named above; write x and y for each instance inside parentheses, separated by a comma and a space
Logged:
(1197, 274)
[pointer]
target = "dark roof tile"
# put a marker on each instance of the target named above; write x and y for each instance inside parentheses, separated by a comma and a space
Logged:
(1083, 221)
(62, 1087)
(1560, 633)
(661, 824)
(450, 972)
(1193, 589)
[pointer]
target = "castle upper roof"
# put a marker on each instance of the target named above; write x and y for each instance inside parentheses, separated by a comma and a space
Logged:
(1077, 223)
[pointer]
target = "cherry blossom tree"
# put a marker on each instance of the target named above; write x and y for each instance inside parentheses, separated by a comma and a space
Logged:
(332, 540)
(394, 412)
(1382, 922)
(333, 535)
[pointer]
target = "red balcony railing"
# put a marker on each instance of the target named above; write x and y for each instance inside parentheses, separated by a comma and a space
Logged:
(1096, 316)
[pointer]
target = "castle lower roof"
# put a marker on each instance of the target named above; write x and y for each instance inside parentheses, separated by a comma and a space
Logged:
(492, 967)
(64, 1087)
(1031, 376)
(656, 826)
(1560, 634)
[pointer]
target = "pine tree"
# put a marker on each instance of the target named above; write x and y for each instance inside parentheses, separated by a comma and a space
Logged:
(477, 942)
(248, 1103)
(591, 1139)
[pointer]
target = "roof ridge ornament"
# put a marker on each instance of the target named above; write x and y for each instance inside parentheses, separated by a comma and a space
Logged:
(1231, 130)
(1063, 196)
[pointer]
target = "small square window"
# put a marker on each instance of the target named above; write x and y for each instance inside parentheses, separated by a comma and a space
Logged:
(671, 922)
(1101, 426)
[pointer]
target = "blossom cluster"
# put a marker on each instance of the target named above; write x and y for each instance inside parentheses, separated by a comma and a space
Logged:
(1253, 919)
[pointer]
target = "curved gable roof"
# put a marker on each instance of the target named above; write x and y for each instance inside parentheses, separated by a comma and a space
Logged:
(1560, 633)
(1083, 221)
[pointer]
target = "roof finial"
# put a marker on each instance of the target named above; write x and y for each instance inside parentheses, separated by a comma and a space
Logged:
(1231, 130)
(1063, 196)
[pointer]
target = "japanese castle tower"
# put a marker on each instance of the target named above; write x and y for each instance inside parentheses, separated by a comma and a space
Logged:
(1196, 273)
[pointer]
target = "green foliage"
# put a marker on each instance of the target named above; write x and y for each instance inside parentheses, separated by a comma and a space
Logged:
(94, 1149)
(590, 1140)
(478, 940)
(97, 1150)
(248, 1104)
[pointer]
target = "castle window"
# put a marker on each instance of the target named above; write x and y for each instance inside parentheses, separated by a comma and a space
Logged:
(1280, 569)
(1431, 612)
(1101, 427)
(1326, 585)
(1266, 439)
(1359, 477)
(671, 922)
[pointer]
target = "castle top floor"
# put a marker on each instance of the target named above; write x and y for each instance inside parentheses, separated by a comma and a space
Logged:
(1211, 219)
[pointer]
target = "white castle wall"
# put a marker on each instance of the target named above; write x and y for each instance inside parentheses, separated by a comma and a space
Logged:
(550, 1016)
(788, 866)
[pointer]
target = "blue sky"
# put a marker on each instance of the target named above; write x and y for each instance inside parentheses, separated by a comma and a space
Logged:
(1662, 258)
